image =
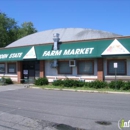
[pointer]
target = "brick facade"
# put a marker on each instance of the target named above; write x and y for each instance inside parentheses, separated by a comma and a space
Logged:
(42, 68)
(19, 71)
(100, 75)
(100, 69)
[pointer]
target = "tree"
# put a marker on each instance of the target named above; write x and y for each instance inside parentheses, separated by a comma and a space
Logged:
(10, 31)
(26, 29)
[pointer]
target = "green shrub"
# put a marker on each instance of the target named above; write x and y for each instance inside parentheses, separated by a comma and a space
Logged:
(117, 84)
(5, 80)
(68, 83)
(8, 81)
(126, 86)
(96, 84)
(57, 83)
(41, 81)
(77, 83)
(86, 84)
(103, 84)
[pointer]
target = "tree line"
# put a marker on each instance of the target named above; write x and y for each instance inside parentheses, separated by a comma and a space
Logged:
(10, 31)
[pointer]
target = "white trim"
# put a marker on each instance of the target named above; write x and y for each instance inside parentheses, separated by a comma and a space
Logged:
(120, 77)
(78, 76)
(8, 75)
(50, 80)
(14, 79)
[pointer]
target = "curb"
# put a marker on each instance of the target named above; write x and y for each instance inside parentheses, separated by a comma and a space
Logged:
(87, 91)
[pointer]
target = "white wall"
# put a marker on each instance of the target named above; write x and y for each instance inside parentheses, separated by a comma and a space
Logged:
(52, 73)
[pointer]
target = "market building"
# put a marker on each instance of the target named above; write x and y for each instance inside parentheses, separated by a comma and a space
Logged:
(75, 53)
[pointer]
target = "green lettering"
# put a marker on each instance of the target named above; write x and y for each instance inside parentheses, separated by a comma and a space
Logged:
(122, 123)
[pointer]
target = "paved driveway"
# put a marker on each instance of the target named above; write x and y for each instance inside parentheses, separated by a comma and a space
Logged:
(36, 109)
(11, 87)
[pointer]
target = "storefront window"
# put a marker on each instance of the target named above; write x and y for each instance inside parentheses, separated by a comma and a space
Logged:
(2, 68)
(85, 67)
(121, 69)
(63, 67)
(11, 68)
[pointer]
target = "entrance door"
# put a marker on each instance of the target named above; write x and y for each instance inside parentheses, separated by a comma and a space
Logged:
(30, 70)
(31, 73)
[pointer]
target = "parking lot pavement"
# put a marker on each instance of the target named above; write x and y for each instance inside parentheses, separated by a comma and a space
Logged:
(17, 122)
(36, 109)
(11, 87)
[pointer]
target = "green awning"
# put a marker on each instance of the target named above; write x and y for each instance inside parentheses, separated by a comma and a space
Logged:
(72, 50)
(88, 49)
(13, 54)
(125, 42)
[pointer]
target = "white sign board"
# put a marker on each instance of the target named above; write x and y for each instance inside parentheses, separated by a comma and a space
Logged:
(115, 65)
(25, 71)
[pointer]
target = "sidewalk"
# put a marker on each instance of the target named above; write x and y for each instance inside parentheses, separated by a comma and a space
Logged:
(21, 86)
(87, 91)
(11, 87)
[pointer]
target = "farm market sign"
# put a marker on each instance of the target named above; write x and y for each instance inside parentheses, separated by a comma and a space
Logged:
(77, 51)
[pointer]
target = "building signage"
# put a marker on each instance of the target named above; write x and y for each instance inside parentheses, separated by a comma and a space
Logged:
(115, 65)
(15, 55)
(78, 51)
(115, 48)
(3, 56)
(30, 54)
(20, 53)
(25, 71)
(12, 55)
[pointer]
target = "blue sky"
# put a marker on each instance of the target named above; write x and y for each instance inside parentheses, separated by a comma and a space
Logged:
(107, 15)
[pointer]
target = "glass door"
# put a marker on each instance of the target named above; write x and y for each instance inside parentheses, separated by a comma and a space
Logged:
(31, 75)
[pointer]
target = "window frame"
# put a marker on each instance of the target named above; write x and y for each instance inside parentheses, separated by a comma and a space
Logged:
(8, 68)
(78, 61)
(59, 68)
(116, 60)
(4, 68)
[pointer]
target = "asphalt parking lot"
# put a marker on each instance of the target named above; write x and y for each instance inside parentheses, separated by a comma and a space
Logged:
(36, 109)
